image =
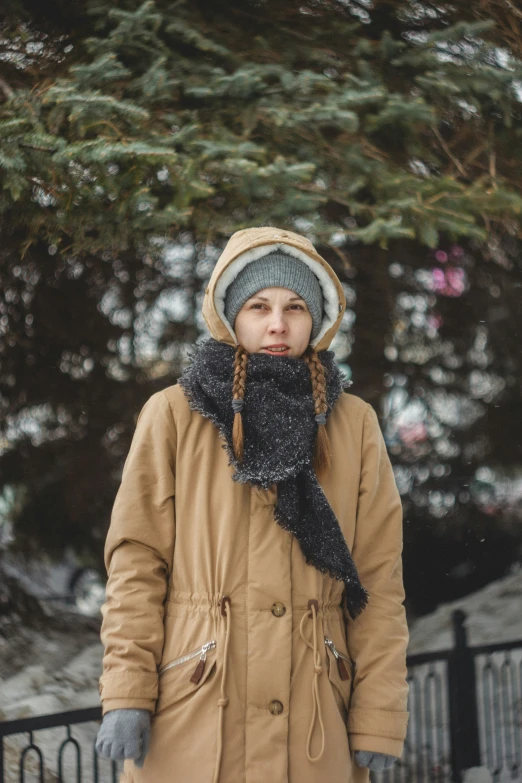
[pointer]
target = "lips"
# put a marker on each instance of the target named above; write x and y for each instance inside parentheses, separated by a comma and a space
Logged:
(276, 350)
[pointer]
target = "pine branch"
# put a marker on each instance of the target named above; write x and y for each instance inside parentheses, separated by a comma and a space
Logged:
(448, 152)
(470, 157)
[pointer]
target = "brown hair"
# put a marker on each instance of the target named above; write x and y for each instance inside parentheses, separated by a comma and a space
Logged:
(322, 453)
(238, 393)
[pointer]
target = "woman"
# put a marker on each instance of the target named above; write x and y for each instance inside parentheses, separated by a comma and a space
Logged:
(254, 626)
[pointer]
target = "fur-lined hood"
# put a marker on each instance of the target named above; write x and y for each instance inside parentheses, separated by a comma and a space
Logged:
(248, 245)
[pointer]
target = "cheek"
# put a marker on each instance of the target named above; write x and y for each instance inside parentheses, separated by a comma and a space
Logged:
(306, 327)
(245, 322)
(248, 329)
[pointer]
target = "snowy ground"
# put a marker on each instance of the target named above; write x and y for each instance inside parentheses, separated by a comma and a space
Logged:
(58, 670)
(45, 673)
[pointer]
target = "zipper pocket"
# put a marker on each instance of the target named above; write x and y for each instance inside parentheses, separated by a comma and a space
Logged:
(198, 671)
(340, 658)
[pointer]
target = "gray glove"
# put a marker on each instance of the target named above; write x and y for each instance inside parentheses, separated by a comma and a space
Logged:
(124, 734)
(374, 761)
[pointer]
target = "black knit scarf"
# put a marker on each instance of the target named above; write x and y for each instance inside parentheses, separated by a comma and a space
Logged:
(279, 433)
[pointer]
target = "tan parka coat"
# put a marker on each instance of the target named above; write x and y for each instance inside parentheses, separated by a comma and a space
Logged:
(207, 621)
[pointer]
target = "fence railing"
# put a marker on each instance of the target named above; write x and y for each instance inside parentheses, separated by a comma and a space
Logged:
(465, 709)
(30, 761)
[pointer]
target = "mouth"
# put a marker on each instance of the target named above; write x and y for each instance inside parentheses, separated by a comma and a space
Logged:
(277, 350)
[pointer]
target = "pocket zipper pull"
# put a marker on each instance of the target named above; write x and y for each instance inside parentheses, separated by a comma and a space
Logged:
(200, 668)
(343, 671)
(198, 671)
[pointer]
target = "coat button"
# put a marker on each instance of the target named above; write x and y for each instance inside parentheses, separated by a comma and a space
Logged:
(275, 707)
(278, 609)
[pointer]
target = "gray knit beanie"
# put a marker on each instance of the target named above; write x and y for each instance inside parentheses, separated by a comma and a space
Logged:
(276, 269)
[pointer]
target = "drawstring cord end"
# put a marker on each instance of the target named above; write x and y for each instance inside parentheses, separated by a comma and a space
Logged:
(313, 607)
(224, 608)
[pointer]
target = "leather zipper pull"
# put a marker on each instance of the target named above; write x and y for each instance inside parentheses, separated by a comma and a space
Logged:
(343, 671)
(198, 671)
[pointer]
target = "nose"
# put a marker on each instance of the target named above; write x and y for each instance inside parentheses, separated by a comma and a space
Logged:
(278, 324)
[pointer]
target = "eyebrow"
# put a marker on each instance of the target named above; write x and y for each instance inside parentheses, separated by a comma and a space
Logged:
(292, 298)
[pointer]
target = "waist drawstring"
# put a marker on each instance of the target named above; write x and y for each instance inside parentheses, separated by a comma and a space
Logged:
(316, 709)
(225, 604)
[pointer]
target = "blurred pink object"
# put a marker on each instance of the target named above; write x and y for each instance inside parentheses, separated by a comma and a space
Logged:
(449, 282)
(412, 433)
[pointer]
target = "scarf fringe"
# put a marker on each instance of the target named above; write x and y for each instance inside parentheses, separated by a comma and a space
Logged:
(357, 601)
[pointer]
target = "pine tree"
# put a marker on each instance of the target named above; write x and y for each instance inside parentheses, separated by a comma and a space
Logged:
(135, 140)
(392, 132)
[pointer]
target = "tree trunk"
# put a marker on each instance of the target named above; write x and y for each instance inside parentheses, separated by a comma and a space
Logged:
(373, 308)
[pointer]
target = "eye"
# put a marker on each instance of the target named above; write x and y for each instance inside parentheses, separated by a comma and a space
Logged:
(257, 305)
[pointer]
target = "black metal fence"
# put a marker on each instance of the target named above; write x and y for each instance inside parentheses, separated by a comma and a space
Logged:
(465, 709)
(25, 761)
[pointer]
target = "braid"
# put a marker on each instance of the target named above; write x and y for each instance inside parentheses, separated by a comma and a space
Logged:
(322, 453)
(238, 393)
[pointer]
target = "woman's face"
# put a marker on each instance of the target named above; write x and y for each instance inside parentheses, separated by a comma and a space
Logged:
(274, 317)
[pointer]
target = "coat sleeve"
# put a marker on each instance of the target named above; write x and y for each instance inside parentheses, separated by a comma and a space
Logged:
(138, 557)
(378, 638)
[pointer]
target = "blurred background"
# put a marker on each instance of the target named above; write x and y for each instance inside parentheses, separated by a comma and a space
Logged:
(135, 138)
